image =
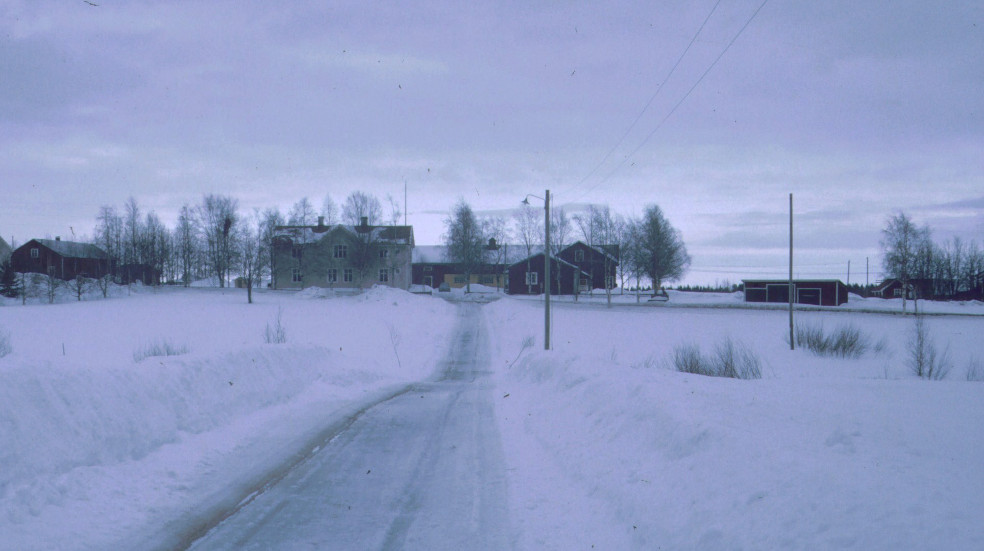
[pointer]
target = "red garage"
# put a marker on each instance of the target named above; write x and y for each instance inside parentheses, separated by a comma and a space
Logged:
(816, 292)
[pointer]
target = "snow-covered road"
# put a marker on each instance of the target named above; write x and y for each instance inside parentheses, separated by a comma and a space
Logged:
(423, 470)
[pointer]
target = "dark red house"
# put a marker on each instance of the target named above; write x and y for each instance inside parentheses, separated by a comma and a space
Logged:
(597, 262)
(60, 259)
(526, 276)
(817, 292)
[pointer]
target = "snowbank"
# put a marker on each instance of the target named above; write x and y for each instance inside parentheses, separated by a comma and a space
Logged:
(95, 446)
(611, 447)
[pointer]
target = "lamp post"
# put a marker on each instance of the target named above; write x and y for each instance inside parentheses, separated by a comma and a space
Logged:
(546, 265)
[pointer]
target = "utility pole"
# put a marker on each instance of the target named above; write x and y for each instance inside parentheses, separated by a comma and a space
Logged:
(792, 290)
(848, 273)
(546, 272)
(866, 283)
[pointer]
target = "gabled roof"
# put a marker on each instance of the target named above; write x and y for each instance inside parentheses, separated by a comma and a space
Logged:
(556, 259)
(430, 254)
(71, 249)
(437, 254)
(402, 235)
(604, 250)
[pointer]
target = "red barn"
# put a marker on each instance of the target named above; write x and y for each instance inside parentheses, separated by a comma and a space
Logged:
(60, 259)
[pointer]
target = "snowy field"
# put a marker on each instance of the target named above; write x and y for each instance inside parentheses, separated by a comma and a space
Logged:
(607, 445)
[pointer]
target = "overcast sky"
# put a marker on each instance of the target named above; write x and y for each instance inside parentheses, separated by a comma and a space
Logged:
(860, 109)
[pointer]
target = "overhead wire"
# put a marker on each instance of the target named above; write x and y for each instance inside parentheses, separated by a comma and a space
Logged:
(678, 103)
(652, 98)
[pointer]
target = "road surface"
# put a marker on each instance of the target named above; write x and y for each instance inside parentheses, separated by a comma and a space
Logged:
(422, 470)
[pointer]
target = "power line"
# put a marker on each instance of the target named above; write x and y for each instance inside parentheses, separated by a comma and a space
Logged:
(679, 103)
(659, 89)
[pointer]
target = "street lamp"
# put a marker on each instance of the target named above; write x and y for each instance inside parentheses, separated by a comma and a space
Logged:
(546, 265)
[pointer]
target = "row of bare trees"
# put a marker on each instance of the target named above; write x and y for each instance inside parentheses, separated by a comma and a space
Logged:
(214, 239)
(939, 270)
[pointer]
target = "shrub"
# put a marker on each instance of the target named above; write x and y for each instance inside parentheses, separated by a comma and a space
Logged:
(924, 359)
(5, 347)
(276, 334)
(730, 359)
(975, 371)
(846, 342)
(686, 358)
(162, 347)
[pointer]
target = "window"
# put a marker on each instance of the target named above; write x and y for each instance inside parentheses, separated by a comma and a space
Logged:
(295, 252)
(428, 268)
(35, 252)
(296, 276)
(384, 276)
(332, 275)
(486, 280)
(384, 253)
(347, 275)
(579, 255)
(531, 278)
(459, 279)
(340, 251)
(396, 271)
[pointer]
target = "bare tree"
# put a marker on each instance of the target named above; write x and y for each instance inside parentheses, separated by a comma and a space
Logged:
(186, 243)
(464, 240)
(561, 234)
(132, 233)
(79, 286)
(269, 221)
(657, 248)
(529, 227)
(216, 219)
(495, 227)
(329, 210)
(972, 272)
(901, 243)
(302, 213)
(396, 212)
(360, 205)
(252, 253)
(109, 237)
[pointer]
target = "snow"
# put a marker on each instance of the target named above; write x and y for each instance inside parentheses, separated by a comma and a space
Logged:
(605, 443)
(820, 453)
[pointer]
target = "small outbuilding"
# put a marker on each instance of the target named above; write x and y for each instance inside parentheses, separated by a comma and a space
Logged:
(816, 292)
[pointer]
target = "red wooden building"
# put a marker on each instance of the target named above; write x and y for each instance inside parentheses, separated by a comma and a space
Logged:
(526, 276)
(817, 292)
(597, 262)
(60, 259)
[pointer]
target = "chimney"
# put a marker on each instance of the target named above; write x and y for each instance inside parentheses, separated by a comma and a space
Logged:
(321, 221)
(57, 238)
(364, 221)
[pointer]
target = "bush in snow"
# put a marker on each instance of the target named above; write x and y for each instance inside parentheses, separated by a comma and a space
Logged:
(686, 358)
(730, 359)
(5, 347)
(975, 371)
(924, 359)
(276, 334)
(846, 342)
(159, 348)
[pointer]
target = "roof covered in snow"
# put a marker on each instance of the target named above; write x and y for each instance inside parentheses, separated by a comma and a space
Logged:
(71, 249)
(402, 235)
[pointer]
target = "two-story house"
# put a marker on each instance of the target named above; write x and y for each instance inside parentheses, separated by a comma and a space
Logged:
(342, 256)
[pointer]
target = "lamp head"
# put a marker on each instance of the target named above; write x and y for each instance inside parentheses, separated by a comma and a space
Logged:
(526, 200)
